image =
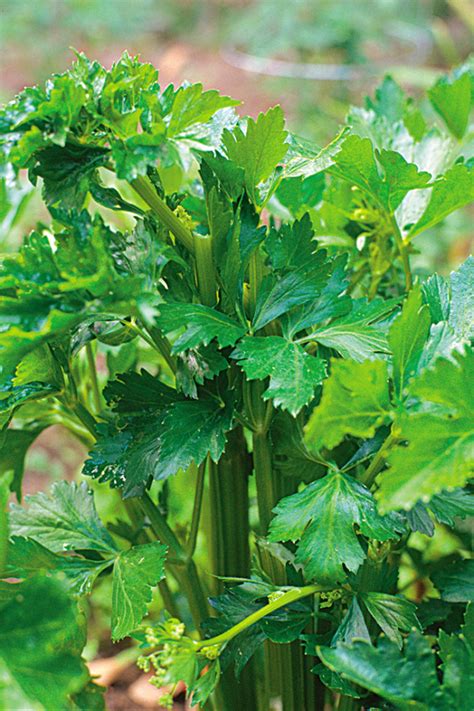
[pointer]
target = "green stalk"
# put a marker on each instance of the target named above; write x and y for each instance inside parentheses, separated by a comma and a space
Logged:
(285, 662)
(183, 567)
(96, 396)
(403, 251)
(147, 192)
(163, 346)
(377, 463)
(196, 517)
(205, 271)
(286, 599)
(229, 549)
(267, 495)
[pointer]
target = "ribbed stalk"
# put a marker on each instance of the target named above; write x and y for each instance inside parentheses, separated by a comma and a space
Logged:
(147, 192)
(286, 667)
(229, 549)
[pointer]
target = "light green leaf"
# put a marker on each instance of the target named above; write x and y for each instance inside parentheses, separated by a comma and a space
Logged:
(322, 518)
(440, 450)
(399, 178)
(191, 105)
(133, 155)
(202, 324)
(392, 614)
(293, 373)
(461, 313)
(260, 149)
(450, 192)
(27, 557)
(355, 401)
(451, 98)
(39, 645)
(136, 571)
(407, 337)
(65, 519)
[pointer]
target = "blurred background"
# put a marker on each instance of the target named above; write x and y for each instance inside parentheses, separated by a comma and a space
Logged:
(314, 57)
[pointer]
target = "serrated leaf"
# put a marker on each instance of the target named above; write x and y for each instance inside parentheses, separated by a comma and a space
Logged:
(293, 373)
(259, 150)
(440, 450)
(15, 445)
(451, 98)
(292, 245)
(133, 156)
(457, 656)
(392, 614)
(27, 557)
(279, 294)
(450, 505)
(407, 336)
(353, 625)
(202, 324)
(450, 192)
(39, 647)
(435, 292)
(136, 571)
(65, 519)
(456, 582)
(461, 313)
(355, 401)
(190, 431)
(322, 518)
(134, 392)
(406, 679)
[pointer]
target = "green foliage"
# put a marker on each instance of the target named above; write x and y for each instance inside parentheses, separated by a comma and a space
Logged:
(62, 533)
(323, 517)
(38, 616)
(260, 373)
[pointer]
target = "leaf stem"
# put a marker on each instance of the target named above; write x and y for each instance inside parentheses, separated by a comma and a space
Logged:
(377, 462)
(164, 347)
(148, 193)
(160, 527)
(96, 395)
(403, 251)
(285, 599)
(205, 270)
(184, 570)
(196, 517)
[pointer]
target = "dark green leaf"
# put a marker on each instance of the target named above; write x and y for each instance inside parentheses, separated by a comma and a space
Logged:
(408, 680)
(392, 614)
(456, 582)
(202, 324)
(293, 373)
